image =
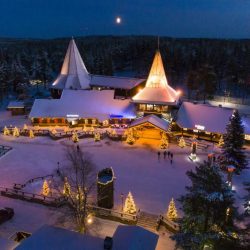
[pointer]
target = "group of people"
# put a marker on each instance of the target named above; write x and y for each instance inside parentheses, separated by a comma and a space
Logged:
(166, 154)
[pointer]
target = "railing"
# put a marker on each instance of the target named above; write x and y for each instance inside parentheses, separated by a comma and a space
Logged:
(37, 198)
(168, 223)
(4, 150)
(113, 213)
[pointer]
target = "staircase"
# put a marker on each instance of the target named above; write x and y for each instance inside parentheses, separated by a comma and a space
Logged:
(147, 221)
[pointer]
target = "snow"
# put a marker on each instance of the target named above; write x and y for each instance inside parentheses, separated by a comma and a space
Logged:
(48, 237)
(86, 104)
(16, 104)
(214, 119)
(134, 238)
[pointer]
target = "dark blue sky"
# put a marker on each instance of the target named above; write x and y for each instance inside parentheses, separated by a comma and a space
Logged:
(178, 18)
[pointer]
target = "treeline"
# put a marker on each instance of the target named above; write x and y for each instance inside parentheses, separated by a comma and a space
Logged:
(203, 66)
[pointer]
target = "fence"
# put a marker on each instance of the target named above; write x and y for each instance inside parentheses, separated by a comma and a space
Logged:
(103, 212)
(4, 150)
(171, 225)
(37, 198)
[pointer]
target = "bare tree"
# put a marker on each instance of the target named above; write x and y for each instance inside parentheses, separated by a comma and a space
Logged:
(78, 179)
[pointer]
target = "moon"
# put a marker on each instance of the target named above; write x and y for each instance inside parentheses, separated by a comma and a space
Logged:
(118, 20)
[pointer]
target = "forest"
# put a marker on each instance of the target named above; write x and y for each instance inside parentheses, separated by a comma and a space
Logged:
(201, 67)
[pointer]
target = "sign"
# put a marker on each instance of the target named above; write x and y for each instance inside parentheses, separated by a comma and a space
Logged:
(200, 127)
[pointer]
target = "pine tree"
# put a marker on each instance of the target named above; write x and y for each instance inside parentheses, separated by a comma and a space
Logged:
(205, 206)
(164, 141)
(31, 134)
(182, 142)
(130, 138)
(75, 137)
(221, 141)
(129, 207)
(232, 150)
(46, 189)
(6, 131)
(97, 136)
(172, 211)
(16, 132)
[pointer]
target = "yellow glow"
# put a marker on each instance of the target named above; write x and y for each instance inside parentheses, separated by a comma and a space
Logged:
(178, 92)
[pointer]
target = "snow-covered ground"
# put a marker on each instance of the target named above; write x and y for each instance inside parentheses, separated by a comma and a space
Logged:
(137, 169)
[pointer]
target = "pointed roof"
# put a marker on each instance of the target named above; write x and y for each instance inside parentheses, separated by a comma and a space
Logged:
(73, 73)
(157, 90)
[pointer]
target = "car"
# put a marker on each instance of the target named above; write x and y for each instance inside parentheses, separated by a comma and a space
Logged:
(6, 214)
(108, 243)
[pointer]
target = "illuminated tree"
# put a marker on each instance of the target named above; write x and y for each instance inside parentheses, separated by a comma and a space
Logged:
(46, 189)
(164, 141)
(16, 132)
(129, 207)
(113, 132)
(92, 129)
(66, 187)
(130, 138)
(75, 137)
(31, 134)
(172, 211)
(221, 141)
(97, 136)
(182, 142)
(6, 131)
(25, 127)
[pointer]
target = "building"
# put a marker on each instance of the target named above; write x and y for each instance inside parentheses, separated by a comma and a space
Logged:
(75, 76)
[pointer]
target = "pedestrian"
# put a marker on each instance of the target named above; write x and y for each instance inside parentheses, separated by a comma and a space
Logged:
(172, 155)
(165, 154)
(171, 160)
(159, 154)
(168, 154)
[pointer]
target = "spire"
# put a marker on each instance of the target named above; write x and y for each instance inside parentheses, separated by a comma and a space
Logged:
(73, 73)
(157, 89)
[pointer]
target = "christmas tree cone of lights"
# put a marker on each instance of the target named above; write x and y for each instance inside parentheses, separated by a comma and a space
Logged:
(6, 131)
(129, 207)
(172, 211)
(46, 189)
(182, 142)
(75, 137)
(16, 132)
(31, 134)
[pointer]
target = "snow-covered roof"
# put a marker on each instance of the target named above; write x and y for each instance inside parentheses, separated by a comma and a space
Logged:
(15, 104)
(84, 103)
(73, 73)
(213, 119)
(115, 81)
(152, 119)
(134, 238)
(48, 238)
(157, 89)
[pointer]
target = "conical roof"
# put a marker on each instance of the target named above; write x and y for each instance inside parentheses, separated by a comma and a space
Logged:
(73, 73)
(157, 90)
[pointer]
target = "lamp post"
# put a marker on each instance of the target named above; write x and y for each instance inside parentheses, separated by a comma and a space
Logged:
(230, 170)
(122, 197)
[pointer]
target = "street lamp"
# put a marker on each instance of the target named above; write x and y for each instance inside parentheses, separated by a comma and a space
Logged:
(230, 170)
(122, 198)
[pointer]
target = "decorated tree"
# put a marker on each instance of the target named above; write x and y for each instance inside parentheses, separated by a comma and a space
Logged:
(25, 127)
(46, 189)
(113, 132)
(75, 137)
(221, 141)
(129, 206)
(66, 187)
(172, 212)
(85, 129)
(164, 141)
(16, 132)
(31, 134)
(209, 212)
(232, 150)
(97, 136)
(92, 129)
(182, 142)
(6, 131)
(130, 137)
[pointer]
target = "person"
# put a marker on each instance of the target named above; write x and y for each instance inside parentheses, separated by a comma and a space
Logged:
(172, 155)
(165, 154)
(171, 160)
(159, 154)
(168, 154)
(77, 147)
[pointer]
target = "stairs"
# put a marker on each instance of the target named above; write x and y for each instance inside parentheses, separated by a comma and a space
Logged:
(147, 221)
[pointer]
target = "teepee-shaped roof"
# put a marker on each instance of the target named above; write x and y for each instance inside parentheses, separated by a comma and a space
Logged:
(73, 73)
(157, 90)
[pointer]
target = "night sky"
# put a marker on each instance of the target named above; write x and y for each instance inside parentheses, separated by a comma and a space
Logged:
(177, 18)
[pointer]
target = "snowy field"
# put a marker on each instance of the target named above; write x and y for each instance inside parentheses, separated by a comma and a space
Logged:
(137, 169)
